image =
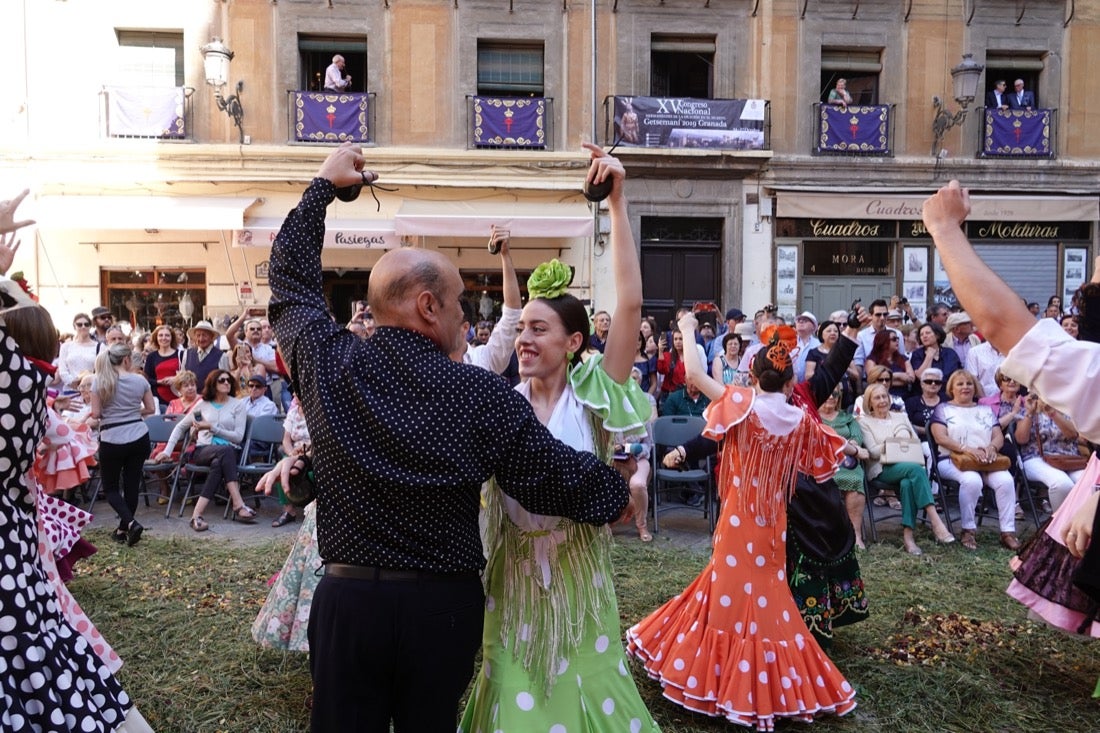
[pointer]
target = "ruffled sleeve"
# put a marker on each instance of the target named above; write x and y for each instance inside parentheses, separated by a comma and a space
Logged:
(731, 408)
(621, 407)
(822, 455)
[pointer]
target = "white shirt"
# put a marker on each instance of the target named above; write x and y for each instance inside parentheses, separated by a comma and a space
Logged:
(983, 362)
(334, 79)
(1063, 371)
(496, 354)
(800, 360)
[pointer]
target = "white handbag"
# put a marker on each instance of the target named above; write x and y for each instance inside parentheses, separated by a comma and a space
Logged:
(901, 449)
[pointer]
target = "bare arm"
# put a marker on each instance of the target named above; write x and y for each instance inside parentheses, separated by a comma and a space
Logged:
(509, 281)
(693, 365)
(622, 338)
(233, 328)
(987, 298)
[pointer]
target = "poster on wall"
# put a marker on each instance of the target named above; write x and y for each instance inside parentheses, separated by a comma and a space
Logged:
(915, 280)
(786, 282)
(1073, 268)
(941, 285)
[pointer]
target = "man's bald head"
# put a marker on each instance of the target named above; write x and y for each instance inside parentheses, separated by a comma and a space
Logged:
(398, 286)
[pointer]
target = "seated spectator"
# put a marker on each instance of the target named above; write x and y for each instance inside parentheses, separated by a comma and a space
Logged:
(258, 402)
(885, 352)
(828, 333)
(932, 354)
(687, 400)
(960, 337)
(879, 424)
(963, 426)
(243, 366)
(1043, 432)
(849, 478)
(1006, 402)
(919, 408)
(879, 375)
(724, 367)
(296, 442)
(221, 420)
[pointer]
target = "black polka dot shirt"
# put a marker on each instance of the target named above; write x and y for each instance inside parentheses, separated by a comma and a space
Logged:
(403, 437)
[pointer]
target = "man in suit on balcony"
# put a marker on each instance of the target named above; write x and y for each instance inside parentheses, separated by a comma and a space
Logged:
(1021, 98)
(335, 80)
(997, 97)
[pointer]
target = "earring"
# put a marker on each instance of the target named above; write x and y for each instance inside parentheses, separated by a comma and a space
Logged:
(568, 356)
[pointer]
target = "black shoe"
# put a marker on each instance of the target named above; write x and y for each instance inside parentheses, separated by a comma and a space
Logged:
(133, 535)
(695, 500)
(284, 519)
(119, 536)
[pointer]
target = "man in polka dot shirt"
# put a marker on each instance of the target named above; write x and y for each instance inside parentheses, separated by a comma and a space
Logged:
(403, 438)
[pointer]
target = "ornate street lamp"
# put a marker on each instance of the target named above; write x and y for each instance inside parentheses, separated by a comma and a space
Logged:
(965, 78)
(215, 61)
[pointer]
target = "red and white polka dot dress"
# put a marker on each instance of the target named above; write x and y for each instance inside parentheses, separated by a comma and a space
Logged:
(733, 643)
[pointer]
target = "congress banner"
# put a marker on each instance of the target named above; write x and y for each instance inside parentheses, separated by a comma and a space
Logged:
(854, 129)
(331, 117)
(681, 122)
(1017, 133)
(510, 121)
(145, 112)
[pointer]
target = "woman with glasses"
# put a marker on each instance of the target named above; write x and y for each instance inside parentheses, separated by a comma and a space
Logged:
(963, 426)
(919, 407)
(77, 354)
(120, 401)
(162, 365)
(883, 375)
(220, 421)
(932, 354)
(880, 424)
(886, 351)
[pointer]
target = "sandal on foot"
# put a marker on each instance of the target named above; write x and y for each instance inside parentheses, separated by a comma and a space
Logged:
(244, 515)
(644, 535)
(893, 502)
(199, 524)
(879, 501)
(968, 540)
(284, 519)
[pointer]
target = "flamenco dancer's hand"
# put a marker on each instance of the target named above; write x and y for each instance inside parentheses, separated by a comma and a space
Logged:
(1077, 532)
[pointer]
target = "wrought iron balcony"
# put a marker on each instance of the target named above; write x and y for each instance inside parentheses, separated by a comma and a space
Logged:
(510, 123)
(858, 130)
(1018, 133)
(331, 117)
(138, 112)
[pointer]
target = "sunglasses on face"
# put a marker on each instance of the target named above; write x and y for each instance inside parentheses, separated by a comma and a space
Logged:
(225, 380)
(893, 338)
(82, 324)
(884, 379)
(932, 381)
(879, 315)
(255, 386)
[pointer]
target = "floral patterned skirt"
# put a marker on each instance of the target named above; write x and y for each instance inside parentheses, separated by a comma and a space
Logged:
(283, 622)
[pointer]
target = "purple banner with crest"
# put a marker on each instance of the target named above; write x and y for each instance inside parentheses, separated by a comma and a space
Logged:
(1017, 133)
(854, 129)
(510, 121)
(331, 117)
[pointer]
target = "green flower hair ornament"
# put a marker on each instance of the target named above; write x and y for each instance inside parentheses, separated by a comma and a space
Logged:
(549, 280)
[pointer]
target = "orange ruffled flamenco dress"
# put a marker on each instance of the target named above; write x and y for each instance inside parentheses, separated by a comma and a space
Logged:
(733, 643)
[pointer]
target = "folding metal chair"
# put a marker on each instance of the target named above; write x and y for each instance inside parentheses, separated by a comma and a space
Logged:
(261, 451)
(160, 430)
(670, 431)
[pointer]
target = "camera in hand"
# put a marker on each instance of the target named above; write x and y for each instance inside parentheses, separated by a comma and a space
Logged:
(597, 191)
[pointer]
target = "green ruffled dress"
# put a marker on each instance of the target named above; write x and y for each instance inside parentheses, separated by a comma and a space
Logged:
(552, 652)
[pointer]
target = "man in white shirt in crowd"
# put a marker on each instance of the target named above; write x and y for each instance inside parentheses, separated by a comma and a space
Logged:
(805, 325)
(983, 361)
(258, 401)
(960, 335)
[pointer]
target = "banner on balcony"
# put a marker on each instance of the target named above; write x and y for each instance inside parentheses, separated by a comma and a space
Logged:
(854, 129)
(1016, 132)
(510, 121)
(331, 117)
(145, 112)
(681, 122)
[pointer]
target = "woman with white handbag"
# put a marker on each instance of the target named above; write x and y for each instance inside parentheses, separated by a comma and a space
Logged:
(897, 458)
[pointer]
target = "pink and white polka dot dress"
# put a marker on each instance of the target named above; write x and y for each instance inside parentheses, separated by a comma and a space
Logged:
(733, 643)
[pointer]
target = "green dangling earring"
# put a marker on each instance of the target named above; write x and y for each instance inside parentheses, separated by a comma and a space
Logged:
(568, 357)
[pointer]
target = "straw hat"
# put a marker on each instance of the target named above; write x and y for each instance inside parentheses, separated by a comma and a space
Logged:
(202, 326)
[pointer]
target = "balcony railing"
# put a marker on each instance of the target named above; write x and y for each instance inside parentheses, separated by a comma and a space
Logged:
(331, 117)
(158, 113)
(863, 130)
(1018, 133)
(510, 123)
(683, 122)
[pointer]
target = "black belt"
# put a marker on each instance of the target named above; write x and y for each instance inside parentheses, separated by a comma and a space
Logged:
(110, 425)
(365, 572)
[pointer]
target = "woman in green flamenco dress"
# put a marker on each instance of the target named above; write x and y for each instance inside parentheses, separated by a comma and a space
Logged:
(552, 655)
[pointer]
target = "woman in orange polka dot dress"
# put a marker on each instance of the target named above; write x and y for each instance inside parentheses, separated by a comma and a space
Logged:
(733, 643)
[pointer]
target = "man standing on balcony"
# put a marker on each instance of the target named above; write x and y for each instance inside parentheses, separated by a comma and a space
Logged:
(335, 80)
(1021, 98)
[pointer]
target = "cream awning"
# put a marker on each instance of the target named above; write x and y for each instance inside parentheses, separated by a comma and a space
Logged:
(142, 212)
(473, 219)
(864, 205)
(339, 233)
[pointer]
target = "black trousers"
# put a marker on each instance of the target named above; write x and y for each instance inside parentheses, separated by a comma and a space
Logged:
(120, 465)
(392, 650)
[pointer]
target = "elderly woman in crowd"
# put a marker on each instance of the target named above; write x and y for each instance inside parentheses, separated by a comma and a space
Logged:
(1008, 403)
(962, 426)
(919, 408)
(220, 420)
(932, 354)
(886, 351)
(849, 478)
(1047, 436)
(724, 367)
(828, 333)
(881, 424)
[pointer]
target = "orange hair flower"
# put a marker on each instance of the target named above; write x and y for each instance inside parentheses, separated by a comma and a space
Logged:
(781, 344)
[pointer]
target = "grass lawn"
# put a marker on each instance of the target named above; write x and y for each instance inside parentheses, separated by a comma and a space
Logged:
(944, 649)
